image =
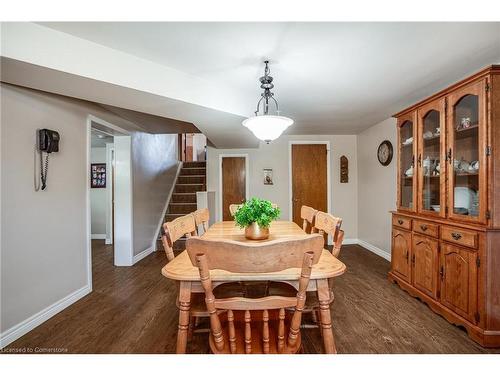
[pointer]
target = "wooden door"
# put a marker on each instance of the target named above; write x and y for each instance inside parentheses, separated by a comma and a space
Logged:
(467, 141)
(458, 273)
(233, 183)
(425, 264)
(309, 178)
(407, 170)
(401, 249)
(431, 159)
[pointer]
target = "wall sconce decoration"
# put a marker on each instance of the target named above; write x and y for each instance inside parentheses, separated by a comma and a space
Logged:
(344, 170)
(268, 176)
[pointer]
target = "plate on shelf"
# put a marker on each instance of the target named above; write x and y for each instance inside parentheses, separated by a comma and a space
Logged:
(460, 210)
(436, 207)
(464, 197)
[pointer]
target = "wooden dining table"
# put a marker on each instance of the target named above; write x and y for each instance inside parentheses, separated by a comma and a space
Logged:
(182, 270)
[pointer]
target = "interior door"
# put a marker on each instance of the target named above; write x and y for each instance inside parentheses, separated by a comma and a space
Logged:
(425, 262)
(467, 153)
(309, 178)
(458, 272)
(400, 257)
(233, 183)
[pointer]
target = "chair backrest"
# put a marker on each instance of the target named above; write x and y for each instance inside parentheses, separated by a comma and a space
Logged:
(338, 244)
(254, 256)
(175, 229)
(201, 217)
(207, 255)
(327, 224)
(307, 214)
(233, 208)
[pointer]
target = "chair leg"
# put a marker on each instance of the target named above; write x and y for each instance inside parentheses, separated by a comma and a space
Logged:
(192, 323)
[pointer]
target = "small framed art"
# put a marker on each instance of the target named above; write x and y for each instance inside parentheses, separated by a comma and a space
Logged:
(97, 175)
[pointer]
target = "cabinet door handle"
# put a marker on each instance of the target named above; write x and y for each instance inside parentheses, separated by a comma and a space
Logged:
(413, 259)
(448, 156)
(400, 222)
(420, 160)
(441, 272)
(456, 236)
(423, 227)
(407, 255)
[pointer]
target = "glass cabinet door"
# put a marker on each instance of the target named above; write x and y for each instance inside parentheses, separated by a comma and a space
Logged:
(431, 165)
(467, 153)
(407, 170)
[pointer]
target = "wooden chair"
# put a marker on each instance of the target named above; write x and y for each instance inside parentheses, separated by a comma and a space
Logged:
(326, 224)
(233, 208)
(174, 230)
(201, 217)
(255, 325)
(307, 214)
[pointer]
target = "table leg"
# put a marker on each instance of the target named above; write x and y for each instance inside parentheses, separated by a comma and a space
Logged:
(184, 319)
(325, 317)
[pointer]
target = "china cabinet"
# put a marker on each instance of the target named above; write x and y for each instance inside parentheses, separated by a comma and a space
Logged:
(446, 229)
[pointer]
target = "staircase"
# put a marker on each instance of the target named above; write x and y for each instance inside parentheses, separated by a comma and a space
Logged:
(192, 178)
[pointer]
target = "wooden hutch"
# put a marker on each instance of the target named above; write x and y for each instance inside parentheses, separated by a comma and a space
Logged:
(446, 230)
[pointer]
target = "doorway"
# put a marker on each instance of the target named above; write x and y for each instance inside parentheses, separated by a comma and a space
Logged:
(309, 177)
(109, 194)
(233, 182)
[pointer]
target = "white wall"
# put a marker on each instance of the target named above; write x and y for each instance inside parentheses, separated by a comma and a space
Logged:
(98, 197)
(376, 187)
(154, 168)
(44, 252)
(276, 156)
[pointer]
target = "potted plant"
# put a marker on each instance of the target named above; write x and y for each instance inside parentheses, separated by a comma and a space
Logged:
(256, 215)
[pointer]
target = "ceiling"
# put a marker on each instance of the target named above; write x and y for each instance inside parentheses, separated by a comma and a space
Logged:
(99, 138)
(331, 78)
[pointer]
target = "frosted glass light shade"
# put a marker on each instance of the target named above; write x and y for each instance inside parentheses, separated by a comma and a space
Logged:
(267, 128)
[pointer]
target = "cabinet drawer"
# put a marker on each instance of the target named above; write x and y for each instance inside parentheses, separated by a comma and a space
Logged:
(425, 227)
(401, 222)
(460, 236)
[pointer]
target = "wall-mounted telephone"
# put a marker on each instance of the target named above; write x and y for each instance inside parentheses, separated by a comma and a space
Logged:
(48, 142)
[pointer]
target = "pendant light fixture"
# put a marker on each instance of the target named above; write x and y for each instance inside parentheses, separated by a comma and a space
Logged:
(264, 126)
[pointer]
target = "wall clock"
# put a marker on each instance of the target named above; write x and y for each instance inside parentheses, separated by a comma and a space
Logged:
(385, 152)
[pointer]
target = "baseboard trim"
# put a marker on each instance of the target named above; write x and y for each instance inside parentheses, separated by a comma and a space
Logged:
(374, 249)
(20, 329)
(350, 241)
(143, 254)
(164, 212)
(98, 236)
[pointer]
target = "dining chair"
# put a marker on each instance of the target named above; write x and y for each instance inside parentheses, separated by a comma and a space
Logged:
(255, 325)
(307, 214)
(233, 208)
(201, 217)
(324, 223)
(173, 231)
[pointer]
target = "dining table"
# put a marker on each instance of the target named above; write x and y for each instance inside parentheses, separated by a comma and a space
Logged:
(183, 271)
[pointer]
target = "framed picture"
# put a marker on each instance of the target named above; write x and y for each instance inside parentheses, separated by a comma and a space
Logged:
(268, 177)
(97, 175)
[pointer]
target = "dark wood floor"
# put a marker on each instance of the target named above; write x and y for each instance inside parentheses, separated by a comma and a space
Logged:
(132, 310)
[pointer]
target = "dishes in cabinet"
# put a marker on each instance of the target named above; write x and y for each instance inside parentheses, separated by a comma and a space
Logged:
(408, 141)
(428, 135)
(436, 207)
(464, 198)
(409, 172)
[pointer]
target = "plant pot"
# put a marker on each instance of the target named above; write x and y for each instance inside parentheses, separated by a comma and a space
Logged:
(255, 232)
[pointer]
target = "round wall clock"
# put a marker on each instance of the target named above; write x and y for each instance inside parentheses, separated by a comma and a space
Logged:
(384, 153)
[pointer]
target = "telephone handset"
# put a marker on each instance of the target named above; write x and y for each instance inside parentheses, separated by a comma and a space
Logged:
(48, 142)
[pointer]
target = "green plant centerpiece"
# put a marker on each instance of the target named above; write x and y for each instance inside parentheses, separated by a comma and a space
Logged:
(256, 215)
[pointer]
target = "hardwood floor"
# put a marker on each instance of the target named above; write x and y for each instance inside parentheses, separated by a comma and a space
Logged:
(132, 310)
